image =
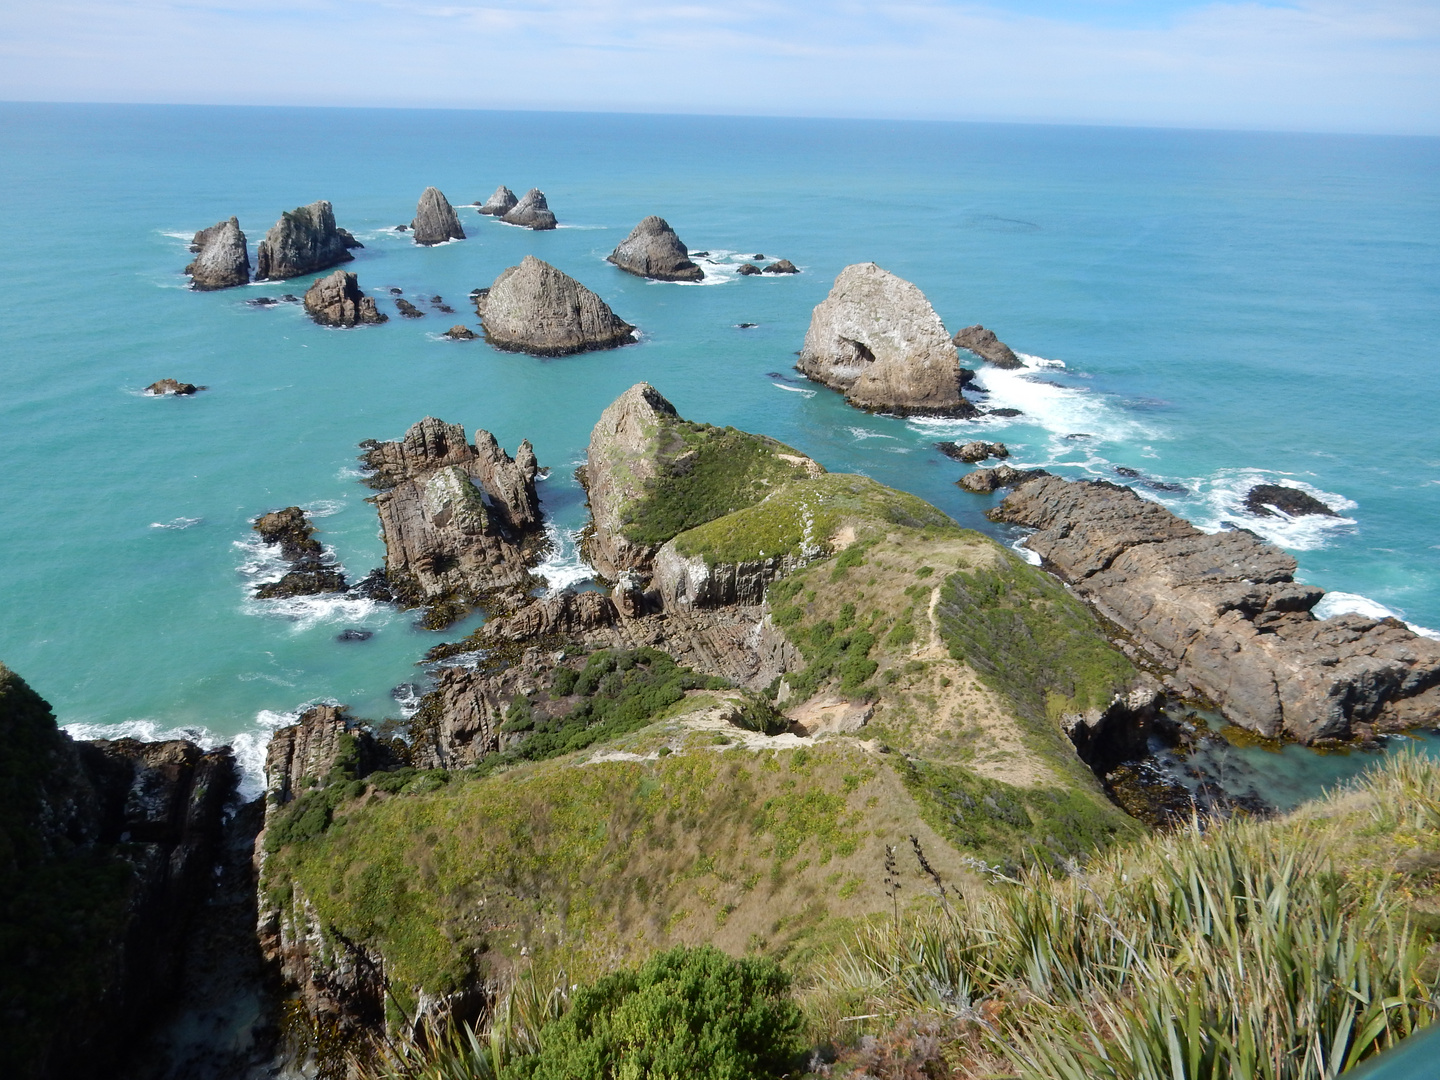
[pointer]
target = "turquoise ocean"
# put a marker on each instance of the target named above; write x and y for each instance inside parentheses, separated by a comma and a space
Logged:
(1211, 309)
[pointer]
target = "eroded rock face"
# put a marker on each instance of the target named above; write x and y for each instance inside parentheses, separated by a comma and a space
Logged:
(984, 344)
(501, 203)
(303, 241)
(222, 260)
(337, 301)
(877, 339)
(536, 309)
(984, 481)
(1225, 612)
(652, 250)
(458, 519)
(435, 219)
(621, 460)
(532, 211)
(688, 581)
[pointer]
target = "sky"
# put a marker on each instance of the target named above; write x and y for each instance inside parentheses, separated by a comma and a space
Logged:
(1365, 66)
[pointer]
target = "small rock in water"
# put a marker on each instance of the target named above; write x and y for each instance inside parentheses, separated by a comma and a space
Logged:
(984, 481)
(290, 298)
(972, 452)
(409, 310)
(1079, 435)
(263, 301)
(746, 325)
(396, 292)
(784, 266)
(1011, 412)
(757, 258)
(460, 333)
(172, 386)
(355, 635)
(699, 254)
(402, 228)
(1127, 472)
(747, 269)
(435, 299)
(1264, 499)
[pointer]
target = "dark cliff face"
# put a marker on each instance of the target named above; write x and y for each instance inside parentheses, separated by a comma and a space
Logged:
(106, 851)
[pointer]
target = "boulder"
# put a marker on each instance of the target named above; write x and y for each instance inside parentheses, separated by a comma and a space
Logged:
(303, 241)
(172, 386)
(972, 452)
(782, 266)
(311, 570)
(223, 260)
(1225, 612)
(1264, 499)
(748, 270)
(877, 339)
(435, 219)
(532, 211)
(501, 203)
(984, 481)
(460, 333)
(652, 250)
(984, 344)
(408, 310)
(536, 309)
(337, 301)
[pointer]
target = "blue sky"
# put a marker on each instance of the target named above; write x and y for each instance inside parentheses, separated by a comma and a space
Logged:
(1320, 65)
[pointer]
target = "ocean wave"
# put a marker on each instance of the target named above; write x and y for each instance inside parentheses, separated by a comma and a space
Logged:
(176, 523)
(1343, 603)
(307, 612)
(1223, 506)
(794, 389)
(1018, 546)
(564, 567)
(323, 507)
(260, 562)
(862, 433)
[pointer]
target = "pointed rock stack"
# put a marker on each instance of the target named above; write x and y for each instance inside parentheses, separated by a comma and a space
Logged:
(652, 250)
(337, 301)
(532, 211)
(303, 241)
(501, 203)
(222, 260)
(536, 309)
(435, 220)
(877, 339)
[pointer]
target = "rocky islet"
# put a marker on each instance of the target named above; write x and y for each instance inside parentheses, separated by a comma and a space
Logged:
(653, 250)
(222, 259)
(305, 240)
(537, 309)
(532, 211)
(435, 220)
(337, 301)
(984, 344)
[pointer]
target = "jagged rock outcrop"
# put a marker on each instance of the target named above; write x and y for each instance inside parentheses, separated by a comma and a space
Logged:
(984, 481)
(108, 848)
(620, 462)
(458, 519)
(536, 309)
(984, 344)
(311, 570)
(689, 581)
(652, 250)
(303, 241)
(782, 266)
(460, 332)
(532, 211)
(222, 260)
(172, 387)
(501, 203)
(564, 614)
(877, 339)
(407, 309)
(435, 219)
(1226, 613)
(337, 301)
(974, 451)
(1263, 500)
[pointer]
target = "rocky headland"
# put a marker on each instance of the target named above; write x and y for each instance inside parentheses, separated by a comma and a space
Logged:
(460, 520)
(537, 309)
(303, 241)
(311, 569)
(984, 344)
(336, 300)
(500, 203)
(222, 260)
(877, 339)
(1224, 612)
(532, 211)
(435, 219)
(652, 250)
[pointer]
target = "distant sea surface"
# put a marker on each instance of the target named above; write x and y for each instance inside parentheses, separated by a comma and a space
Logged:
(1210, 309)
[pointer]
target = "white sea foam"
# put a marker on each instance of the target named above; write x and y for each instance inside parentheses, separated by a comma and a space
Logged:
(323, 507)
(563, 567)
(1018, 546)
(306, 612)
(176, 523)
(1344, 603)
(862, 433)
(1223, 506)
(407, 696)
(794, 389)
(1040, 361)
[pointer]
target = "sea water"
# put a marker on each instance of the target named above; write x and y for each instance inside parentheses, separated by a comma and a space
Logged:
(1211, 309)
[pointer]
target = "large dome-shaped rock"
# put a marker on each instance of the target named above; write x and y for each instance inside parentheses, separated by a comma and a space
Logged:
(435, 220)
(337, 301)
(532, 211)
(652, 250)
(303, 241)
(501, 203)
(536, 309)
(223, 260)
(984, 344)
(877, 339)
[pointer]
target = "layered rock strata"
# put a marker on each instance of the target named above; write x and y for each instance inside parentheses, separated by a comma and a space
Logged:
(532, 211)
(435, 219)
(984, 344)
(1226, 613)
(222, 260)
(877, 339)
(652, 250)
(535, 308)
(336, 300)
(501, 203)
(458, 519)
(303, 241)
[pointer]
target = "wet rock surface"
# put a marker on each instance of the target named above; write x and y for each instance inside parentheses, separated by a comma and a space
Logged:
(435, 219)
(537, 309)
(337, 301)
(984, 344)
(532, 211)
(877, 339)
(652, 250)
(311, 570)
(1264, 499)
(303, 241)
(984, 481)
(407, 309)
(974, 451)
(1225, 613)
(222, 260)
